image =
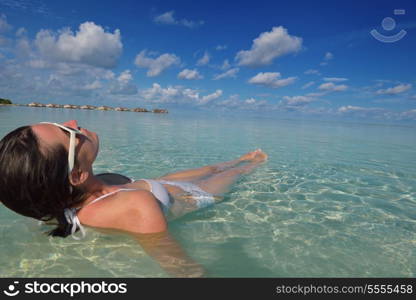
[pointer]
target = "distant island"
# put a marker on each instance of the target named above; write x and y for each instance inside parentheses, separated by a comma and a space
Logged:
(90, 107)
(5, 101)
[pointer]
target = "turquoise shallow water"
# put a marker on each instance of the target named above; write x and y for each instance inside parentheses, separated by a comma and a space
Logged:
(334, 199)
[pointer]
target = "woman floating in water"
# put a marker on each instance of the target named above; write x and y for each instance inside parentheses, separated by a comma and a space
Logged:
(46, 173)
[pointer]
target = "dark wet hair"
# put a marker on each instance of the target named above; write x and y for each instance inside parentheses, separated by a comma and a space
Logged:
(35, 183)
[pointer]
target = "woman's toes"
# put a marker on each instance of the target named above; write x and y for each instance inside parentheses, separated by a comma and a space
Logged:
(255, 155)
(261, 156)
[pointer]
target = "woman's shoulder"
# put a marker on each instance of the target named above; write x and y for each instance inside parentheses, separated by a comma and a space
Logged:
(131, 210)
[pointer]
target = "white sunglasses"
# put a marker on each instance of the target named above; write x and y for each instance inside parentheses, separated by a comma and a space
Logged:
(72, 135)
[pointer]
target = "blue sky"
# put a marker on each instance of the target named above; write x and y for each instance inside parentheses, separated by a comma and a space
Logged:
(289, 58)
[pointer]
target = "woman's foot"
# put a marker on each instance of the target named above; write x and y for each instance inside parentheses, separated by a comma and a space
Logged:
(248, 156)
(254, 156)
(260, 156)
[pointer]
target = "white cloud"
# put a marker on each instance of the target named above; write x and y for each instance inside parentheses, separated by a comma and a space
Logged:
(191, 24)
(23, 48)
(410, 114)
(297, 100)
(231, 73)
(328, 56)
(250, 101)
(271, 79)
(351, 108)
(33, 7)
(168, 19)
(361, 111)
(204, 59)
(225, 65)
(335, 79)
(37, 75)
(125, 77)
(178, 95)
(394, 90)
(156, 65)
(383, 81)
(268, 46)
(107, 75)
(90, 45)
(4, 41)
(128, 89)
(189, 74)
(4, 26)
(21, 32)
(376, 113)
(253, 103)
(299, 103)
(221, 47)
(233, 102)
(312, 71)
(331, 87)
(310, 83)
(158, 94)
(93, 86)
(210, 97)
(123, 84)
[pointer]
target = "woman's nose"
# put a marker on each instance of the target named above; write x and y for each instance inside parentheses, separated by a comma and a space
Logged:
(72, 124)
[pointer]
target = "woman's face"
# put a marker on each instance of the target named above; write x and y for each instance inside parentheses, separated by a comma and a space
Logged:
(87, 146)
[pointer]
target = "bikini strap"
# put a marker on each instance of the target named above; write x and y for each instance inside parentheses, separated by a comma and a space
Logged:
(105, 195)
(72, 218)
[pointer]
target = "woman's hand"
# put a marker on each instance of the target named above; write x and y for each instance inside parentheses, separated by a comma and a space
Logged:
(164, 249)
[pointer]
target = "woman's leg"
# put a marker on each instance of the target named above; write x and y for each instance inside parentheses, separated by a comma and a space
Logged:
(199, 173)
(216, 185)
(220, 183)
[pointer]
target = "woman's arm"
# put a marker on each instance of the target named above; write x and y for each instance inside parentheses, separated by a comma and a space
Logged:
(144, 220)
(164, 249)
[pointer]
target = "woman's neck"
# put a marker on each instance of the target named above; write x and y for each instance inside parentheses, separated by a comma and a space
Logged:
(95, 188)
